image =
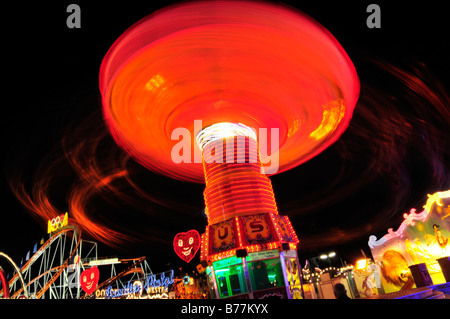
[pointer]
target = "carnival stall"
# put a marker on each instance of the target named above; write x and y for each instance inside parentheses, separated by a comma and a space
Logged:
(417, 253)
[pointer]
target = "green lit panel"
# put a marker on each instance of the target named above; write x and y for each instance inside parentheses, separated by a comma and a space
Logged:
(230, 277)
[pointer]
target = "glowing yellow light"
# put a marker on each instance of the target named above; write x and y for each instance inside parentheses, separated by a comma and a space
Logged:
(239, 232)
(294, 127)
(436, 198)
(223, 130)
(155, 82)
(361, 264)
(332, 116)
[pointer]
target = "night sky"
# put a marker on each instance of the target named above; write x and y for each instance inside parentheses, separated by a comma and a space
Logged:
(394, 153)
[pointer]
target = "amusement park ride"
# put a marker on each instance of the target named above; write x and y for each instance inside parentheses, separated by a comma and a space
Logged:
(55, 270)
(250, 73)
(223, 78)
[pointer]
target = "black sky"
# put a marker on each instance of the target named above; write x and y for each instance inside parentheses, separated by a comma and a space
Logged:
(395, 151)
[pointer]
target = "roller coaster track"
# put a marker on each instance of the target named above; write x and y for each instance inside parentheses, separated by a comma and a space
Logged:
(5, 290)
(58, 270)
(131, 269)
(39, 252)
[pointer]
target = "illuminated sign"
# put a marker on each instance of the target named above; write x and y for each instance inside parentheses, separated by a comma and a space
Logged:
(253, 232)
(263, 255)
(187, 244)
(89, 279)
(256, 229)
(57, 223)
(130, 288)
(108, 261)
(223, 236)
(154, 288)
(284, 228)
(227, 262)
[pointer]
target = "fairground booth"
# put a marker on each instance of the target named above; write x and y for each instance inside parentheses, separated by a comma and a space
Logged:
(417, 254)
(252, 257)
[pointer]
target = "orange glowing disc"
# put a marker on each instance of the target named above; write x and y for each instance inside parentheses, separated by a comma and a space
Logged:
(260, 64)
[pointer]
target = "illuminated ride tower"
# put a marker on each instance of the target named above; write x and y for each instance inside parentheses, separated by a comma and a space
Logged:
(250, 249)
(261, 79)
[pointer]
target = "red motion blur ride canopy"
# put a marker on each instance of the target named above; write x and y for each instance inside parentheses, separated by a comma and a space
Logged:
(260, 64)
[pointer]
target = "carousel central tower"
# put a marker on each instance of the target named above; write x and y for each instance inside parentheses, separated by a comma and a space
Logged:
(243, 220)
(234, 178)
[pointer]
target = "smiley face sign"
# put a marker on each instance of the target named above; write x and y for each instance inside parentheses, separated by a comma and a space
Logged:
(187, 244)
(89, 279)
